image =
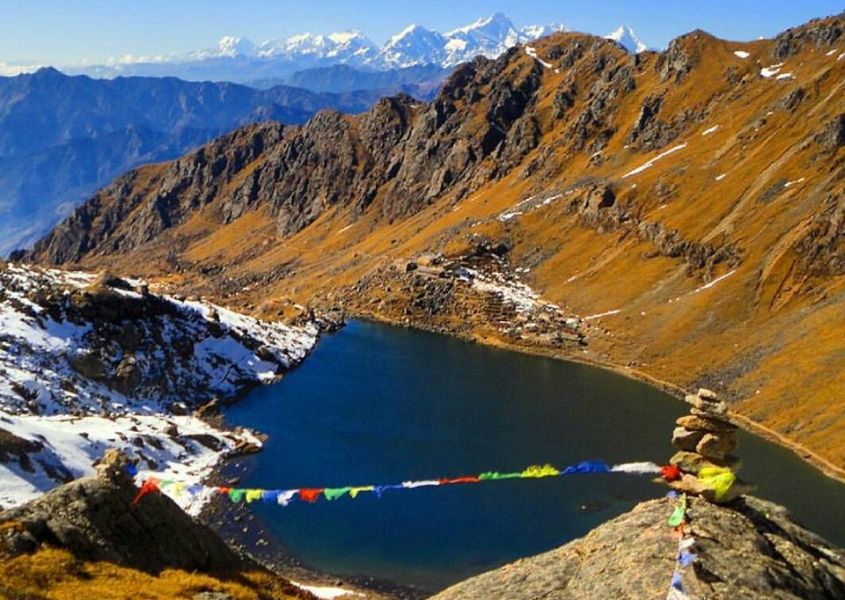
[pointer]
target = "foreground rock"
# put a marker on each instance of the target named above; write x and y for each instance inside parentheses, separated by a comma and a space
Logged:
(94, 519)
(751, 549)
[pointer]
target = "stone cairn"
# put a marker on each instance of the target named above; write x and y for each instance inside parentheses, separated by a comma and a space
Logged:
(705, 438)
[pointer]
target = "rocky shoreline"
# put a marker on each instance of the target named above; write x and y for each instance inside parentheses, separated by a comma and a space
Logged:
(242, 530)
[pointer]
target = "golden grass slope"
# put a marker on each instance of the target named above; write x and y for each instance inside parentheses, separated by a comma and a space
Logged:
(53, 574)
(746, 170)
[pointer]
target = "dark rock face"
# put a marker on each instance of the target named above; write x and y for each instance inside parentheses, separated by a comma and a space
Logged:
(750, 549)
(95, 520)
(13, 447)
(821, 36)
(832, 136)
(822, 248)
(678, 60)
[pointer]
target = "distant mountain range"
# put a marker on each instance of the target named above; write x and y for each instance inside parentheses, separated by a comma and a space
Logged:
(62, 137)
(241, 60)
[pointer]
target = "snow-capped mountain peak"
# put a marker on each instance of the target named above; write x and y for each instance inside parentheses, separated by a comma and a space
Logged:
(414, 45)
(239, 59)
(625, 36)
(532, 32)
(231, 46)
(495, 22)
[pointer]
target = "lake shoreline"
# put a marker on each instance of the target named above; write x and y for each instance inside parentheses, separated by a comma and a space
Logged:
(251, 532)
(819, 463)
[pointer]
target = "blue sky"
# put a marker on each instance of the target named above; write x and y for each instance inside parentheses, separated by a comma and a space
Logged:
(68, 31)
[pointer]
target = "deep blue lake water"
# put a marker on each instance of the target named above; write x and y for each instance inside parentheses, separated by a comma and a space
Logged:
(378, 404)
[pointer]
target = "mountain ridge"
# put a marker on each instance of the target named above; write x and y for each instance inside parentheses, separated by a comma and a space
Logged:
(62, 137)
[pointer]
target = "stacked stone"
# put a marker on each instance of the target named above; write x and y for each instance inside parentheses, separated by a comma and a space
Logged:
(705, 438)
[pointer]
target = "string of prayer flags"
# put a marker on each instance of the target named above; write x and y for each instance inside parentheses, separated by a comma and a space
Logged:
(312, 495)
(685, 555)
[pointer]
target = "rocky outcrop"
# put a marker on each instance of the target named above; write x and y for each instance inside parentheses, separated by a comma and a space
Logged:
(832, 137)
(818, 34)
(95, 519)
(748, 550)
(822, 248)
(110, 335)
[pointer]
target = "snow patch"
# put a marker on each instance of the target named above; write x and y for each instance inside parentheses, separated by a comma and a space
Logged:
(530, 51)
(72, 419)
(651, 162)
(604, 314)
(741, 54)
(710, 131)
(771, 70)
(326, 592)
(528, 205)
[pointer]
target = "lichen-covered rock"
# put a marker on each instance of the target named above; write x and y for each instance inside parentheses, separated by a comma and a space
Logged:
(749, 550)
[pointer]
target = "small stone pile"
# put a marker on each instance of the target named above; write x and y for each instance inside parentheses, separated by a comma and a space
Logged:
(705, 438)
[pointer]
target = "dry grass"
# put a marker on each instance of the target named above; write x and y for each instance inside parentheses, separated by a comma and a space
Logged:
(52, 574)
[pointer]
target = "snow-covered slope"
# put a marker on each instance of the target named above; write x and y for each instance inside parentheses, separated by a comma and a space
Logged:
(239, 59)
(625, 36)
(87, 364)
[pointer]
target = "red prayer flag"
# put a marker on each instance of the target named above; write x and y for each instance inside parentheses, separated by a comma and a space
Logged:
(670, 472)
(310, 494)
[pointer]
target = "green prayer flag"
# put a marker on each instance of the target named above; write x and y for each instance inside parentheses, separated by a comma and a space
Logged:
(335, 493)
(678, 515)
(490, 475)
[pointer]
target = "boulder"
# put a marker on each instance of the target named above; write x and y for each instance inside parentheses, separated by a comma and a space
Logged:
(706, 394)
(717, 446)
(89, 365)
(95, 519)
(705, 423)
(686, 439)
(128, 376)
(706, 406)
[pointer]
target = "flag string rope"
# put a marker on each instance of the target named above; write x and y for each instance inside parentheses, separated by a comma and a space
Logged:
(686, 554)
(283, 497)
